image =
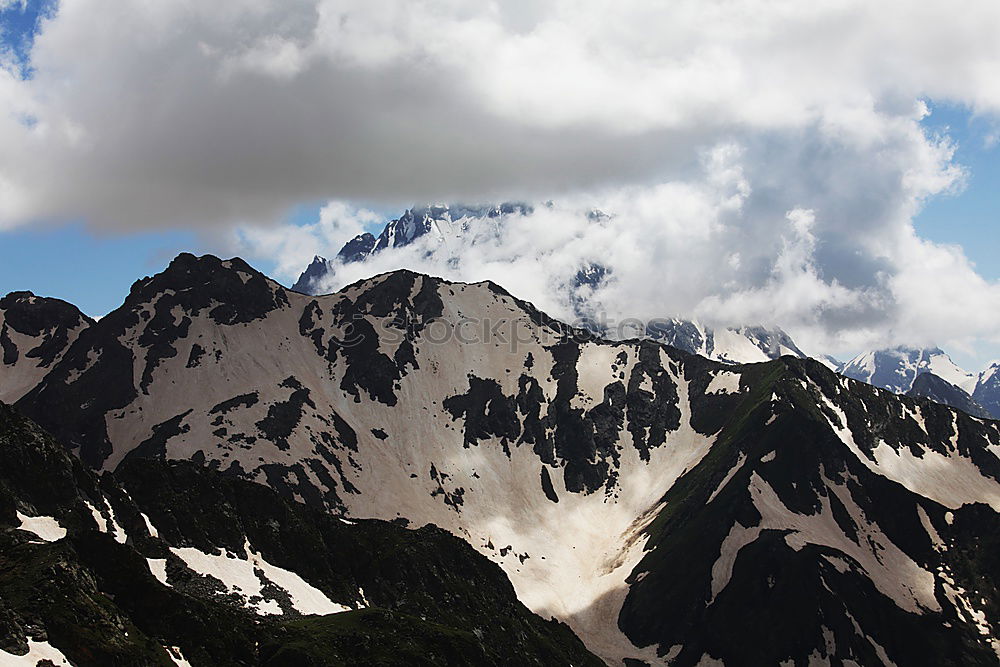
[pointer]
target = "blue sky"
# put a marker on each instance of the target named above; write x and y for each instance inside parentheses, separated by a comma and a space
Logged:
(970, 218)
(20, 22)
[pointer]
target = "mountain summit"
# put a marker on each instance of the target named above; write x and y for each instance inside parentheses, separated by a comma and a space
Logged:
(442, 222)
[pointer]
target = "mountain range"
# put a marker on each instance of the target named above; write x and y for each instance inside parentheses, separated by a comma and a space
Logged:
(902, 370)
(417, 471)
(444, 229)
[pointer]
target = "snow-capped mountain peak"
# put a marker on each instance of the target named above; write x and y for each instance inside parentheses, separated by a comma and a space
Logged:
(895, 369)
(987, 389)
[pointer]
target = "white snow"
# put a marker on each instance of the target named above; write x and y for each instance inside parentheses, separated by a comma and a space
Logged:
(724, 382)
(45, 527)
(106, 526)
(951, 480)
(987, 374)
(967, 611)
(894, 573)
(578, 552)
(37, 651)
(119, 532)
(946, 369)
(729, 475)
(936, 540)
(908, 364)
(237, 573)
(149, 525)
(739, 536)
(594, 374)
(174, 653)
(158, 566)
(102, 523)
(827, 361)
(888, 567)
(734, 347)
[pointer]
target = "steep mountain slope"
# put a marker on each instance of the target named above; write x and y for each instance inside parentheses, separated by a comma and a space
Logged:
(930, 386)
(838, 505)
(667, 507)
(34, 333)
(162, 562)
(896, 369)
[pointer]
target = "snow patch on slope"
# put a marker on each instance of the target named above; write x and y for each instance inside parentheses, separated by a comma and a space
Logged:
(107, 526)
(952, 480)
(247, 576)
(174, 653)
(37, 652)
(45, 527)
(724, 382)
(892, 572)
(158, 567)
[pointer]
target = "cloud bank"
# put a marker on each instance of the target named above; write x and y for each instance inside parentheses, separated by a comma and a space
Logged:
(759, 160)
(721, 246)
(192, 113)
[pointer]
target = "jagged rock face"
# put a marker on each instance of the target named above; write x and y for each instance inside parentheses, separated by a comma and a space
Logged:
(441, 221)
(316, 270)
(649, 498)
(987, 391)
(356, 249)
(34, 333)
(896, 369)
(165, 561)
(930, 386)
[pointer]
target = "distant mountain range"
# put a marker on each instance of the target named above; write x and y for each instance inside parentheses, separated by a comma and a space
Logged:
(896, 369)
(901, 371)
(225, 471)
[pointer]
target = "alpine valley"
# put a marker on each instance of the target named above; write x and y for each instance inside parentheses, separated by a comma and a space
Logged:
(407, 471)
